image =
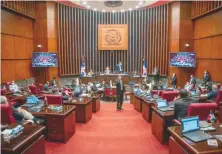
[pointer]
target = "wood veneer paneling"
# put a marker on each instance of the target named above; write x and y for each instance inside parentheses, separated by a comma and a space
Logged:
(148, 38)
(17, 46)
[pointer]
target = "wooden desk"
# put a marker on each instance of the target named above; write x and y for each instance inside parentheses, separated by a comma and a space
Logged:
(31, 141)
(132, 98)
(83, 109)
(138, 103)
(86, 80)
(60, 125)
(147, 109)
(160, 122)
(96, 103)
(178, 144)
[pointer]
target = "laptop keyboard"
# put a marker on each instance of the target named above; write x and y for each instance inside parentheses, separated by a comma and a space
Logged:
(197, 136)
(166, 109)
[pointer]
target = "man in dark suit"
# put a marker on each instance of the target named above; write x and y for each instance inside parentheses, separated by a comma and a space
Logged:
(156, 75)
(192, 80)
(206, 77)
(181, 105)
(119, 68)
(212, 95)
(119, 92)
(174, 81)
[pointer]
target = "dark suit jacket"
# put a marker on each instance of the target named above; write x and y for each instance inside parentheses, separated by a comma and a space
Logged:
(212, 95)
(118, 88)
(193, 81)
(206, 78)
(181, 107)
(118, 68)
(174, 81)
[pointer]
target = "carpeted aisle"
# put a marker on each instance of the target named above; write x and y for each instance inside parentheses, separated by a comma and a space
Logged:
(111, 132)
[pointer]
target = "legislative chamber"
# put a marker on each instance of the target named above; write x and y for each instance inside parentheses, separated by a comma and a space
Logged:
(111, 77)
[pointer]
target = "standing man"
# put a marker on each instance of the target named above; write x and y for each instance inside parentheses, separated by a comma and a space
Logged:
(156, 75)
(119, 92)
(192, 80)
(174, 81)
(119, 68)
(206, 77)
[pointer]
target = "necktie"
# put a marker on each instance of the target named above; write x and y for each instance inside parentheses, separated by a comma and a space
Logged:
(121, 85)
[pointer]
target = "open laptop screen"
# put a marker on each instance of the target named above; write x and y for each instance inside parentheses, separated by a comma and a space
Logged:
(162, 103)
(190, 124)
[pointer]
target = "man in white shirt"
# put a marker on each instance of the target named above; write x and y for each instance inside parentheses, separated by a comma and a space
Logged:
(14, 87)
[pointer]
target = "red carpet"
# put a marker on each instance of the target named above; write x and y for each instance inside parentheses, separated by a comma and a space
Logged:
(111, 132)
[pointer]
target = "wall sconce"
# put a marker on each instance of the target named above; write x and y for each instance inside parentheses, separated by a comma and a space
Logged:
(187, 45)
(39, 46)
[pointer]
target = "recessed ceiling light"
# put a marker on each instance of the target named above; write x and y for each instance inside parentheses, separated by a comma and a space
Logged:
(113, 11)
(122, 10)
(88, 6)
(84, 3)
(137, 6)
(104, 10)
(95, 9)
(130, 9)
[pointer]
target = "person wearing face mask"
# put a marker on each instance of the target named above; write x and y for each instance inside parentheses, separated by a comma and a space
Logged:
(14, 87)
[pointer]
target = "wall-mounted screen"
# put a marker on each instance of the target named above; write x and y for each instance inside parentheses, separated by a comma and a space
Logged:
(44, 59)
(183, 59)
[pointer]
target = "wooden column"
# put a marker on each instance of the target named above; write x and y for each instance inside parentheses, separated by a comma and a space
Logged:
(45, 34)
(180, 34)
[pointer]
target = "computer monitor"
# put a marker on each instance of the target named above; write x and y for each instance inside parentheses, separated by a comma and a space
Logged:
(162, 103)
(190, 124)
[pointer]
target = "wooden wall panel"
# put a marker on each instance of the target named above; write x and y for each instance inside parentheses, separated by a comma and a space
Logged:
(216, 72)
(148, 38)
(20, 47)
(207, 45)
(17, 46)
(203, 47)
(7, 70)
(20, 69)
(217, 47)
(7, 46)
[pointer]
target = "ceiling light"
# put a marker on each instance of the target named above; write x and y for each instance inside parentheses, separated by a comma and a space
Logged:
(137, 6)
(95, 9)
(88, 6)
(130, 9)
(104, 10)
(113, 11)
(122, 10)
(84, 3)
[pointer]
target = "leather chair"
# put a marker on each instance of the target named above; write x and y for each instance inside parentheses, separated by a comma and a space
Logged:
(70, 93)
(33, 89)
(6, 114)
(202, 110)
(53, 99)
(40, 86)
(107, 93)
(169, 95)
(3, 92)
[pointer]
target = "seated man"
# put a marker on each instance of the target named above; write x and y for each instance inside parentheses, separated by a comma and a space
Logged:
(93, 87)
(213, 94)
(181, 104)
(46, 86)
(14, 87)
(64, 96)
(78, 89)
(206, 77)
(136, 74)
(107, 70)
(20, 114)
(90, 74)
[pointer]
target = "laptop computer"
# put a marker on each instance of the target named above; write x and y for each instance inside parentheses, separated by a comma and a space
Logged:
(162, 105)
(191, 129)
